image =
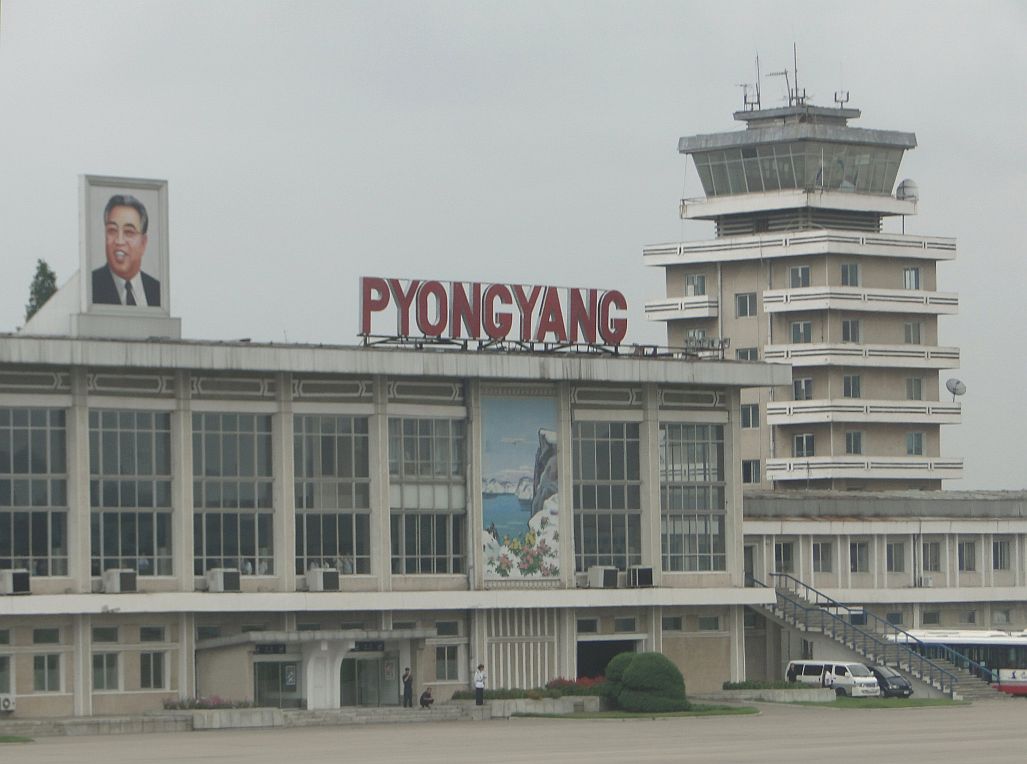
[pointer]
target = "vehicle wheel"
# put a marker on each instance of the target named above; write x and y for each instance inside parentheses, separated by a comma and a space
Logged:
(839, 691)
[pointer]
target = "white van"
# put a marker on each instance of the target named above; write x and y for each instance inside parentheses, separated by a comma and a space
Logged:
(852, 679)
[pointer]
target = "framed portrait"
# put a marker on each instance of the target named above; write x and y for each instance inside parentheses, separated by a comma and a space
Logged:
(124, 234)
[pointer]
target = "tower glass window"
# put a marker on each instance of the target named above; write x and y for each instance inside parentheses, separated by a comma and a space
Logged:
(784, 558)
(914, 388)
(914, 444)
(692, 515)
(33, 491)
(747, 354)
(750, 416)
(695, 284)
(130, 491)
(333, 493)
(232, 493)
(750, 470)
(428, 495)
(896, 557)
(854, 442)
(913, 332)
(822, 556)
(802, 389)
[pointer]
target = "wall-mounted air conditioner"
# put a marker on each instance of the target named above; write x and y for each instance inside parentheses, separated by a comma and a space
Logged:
(640, 576)
(15, 582)
(6, 703)
(927, 581)
(323, 580)
(119, 580)
(581, 579)
(602, 577)
(223, 580)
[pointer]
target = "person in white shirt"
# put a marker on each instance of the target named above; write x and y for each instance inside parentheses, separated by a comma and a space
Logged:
(479, 685)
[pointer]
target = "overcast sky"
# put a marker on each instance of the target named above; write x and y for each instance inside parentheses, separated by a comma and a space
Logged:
(308, 143)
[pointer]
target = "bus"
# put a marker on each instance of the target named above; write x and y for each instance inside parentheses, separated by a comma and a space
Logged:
(1002, 655)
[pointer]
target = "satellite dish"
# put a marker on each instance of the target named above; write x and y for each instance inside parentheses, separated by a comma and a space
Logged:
(956, 387)
(907, 191)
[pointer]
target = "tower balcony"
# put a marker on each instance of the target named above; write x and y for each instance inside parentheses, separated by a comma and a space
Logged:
(800, 244)
(673, 308)
(869, 467)
(851, 354)
(914, 301)
(712, 207)
(868, 411)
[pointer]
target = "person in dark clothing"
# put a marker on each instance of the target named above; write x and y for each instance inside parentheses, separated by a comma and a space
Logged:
(426, 698)
(408, 688)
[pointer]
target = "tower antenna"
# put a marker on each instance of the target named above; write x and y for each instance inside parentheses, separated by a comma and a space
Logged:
(758, 105)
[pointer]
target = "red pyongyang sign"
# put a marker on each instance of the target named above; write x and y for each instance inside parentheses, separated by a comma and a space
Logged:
(514, 312)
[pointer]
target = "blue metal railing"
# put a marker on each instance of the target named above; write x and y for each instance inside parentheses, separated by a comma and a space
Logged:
(882, 626)
(812, 615)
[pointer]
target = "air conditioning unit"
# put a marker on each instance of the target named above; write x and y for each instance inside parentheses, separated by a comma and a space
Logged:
(223, 580)
(640, 576)
(323, 580)
(15, 582)
(6, 703)
(602, 577)
(927, 581)
(116, 581)
(581, 579)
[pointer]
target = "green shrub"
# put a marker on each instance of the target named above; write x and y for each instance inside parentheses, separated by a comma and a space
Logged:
(615, 674)
(651, 683)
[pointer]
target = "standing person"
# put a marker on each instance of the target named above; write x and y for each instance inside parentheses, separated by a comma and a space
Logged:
(479, 685)
(408, 688)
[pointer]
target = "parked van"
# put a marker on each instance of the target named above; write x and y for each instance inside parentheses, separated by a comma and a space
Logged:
(852, 679)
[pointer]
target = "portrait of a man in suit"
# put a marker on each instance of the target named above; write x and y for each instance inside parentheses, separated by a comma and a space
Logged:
(122, 281)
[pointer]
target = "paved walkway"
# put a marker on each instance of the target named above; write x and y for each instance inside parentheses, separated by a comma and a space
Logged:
(994, 733)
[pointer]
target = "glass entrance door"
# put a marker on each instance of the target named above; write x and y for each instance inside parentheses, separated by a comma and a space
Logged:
(276, 684)
(361, 681)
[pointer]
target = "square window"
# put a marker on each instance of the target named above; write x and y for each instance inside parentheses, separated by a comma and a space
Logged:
(709, 623)
(966, 551)
(802, 332)
(750, 470)
(672, 623)
(851, 386)
(914, 388)
(968, 616)
(588, 626)
(799, 276)
(895, 619)
(695, 284)
(896, 553)
(913, 332)
(854, 443)
(822, 557)
(750, 416)
(624, 625)
(747, 354)
(803, 445)
(931, 618)
(745, 304)
(447, 628)
(859, 557)
(914, 444)
(850, 274)
(156, 633)
(802, 389)
(851, 330)
(1000, 617)
(447, 665)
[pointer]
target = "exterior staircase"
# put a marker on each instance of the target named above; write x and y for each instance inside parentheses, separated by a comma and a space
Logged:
(808, 610)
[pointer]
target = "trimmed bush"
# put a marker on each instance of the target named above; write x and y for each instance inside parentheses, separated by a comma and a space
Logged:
(615, 674)
(651, 683)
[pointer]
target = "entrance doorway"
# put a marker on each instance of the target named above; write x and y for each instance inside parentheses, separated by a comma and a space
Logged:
(276, 684)
(594, 655)
(749, 563)
(369, 680)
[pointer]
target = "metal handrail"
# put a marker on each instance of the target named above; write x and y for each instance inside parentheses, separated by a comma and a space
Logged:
(890, 630)
(868, 644)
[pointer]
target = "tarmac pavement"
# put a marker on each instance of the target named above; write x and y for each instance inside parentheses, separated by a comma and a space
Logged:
(983, 732)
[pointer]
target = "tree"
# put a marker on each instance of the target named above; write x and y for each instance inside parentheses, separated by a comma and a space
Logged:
(44, 284)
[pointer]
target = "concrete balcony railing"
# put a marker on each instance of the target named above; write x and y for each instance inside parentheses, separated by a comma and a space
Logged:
(859, 410)
(701, 306)
(801, 243)
(870, 467)
(852, 354)
(861, 299)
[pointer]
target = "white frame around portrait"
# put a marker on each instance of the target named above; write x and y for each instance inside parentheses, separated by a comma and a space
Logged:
(95, 191)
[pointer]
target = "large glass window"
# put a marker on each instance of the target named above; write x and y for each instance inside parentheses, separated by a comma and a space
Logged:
(427, 495)
(232, 493)
(784, 557)
(802, 389)
(932, 556)
(822, 556)
(914, 444)
(911, 278)
(859, 557)
(799, 276)
(896, 554)
(105, 671)
(46, 673)
(130, 491)
(914, 388)
(850, 274)
(802, 332)
(33, 491)
(692, 497)
(695, 284)
(1000, 554)
(607, 500)
(851, 387)
(745, 304)
(151, 671)
(913, 332)
(333, 493)
(851, 330)
(967, 554)
(447, 666)
(803, 445)
(854, 442)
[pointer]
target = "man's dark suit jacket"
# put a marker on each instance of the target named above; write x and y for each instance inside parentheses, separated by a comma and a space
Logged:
(105, 291)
